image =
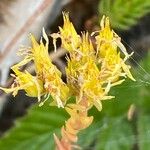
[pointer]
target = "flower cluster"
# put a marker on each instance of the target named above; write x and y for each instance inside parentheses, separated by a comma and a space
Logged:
(47, 80)
(91, 72)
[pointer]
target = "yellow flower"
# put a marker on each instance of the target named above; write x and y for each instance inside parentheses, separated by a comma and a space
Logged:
(69, 37)
(91, 73)
(83, 75)
(112, 65)
(86, 48)
(25, 81)
(47, 80)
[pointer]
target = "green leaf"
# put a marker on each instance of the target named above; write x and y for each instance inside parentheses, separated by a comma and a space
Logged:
(144, 132)
(35, 130)
(124, 14)
(117, 135)
(109, 133)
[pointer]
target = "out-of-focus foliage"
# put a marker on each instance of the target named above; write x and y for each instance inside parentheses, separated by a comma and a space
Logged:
(124, 13)
(35, 131)
(108, 133)
(144, 132)
(111, 128)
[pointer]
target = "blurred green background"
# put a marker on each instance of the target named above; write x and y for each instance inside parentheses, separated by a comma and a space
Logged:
(124, 122)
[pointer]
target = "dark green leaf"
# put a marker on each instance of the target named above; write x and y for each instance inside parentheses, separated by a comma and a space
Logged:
(109, 133)
(35, 131)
